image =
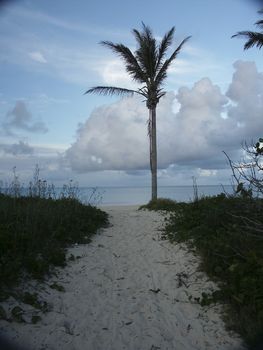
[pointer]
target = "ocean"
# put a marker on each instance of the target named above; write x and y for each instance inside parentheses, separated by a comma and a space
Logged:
(110, 196)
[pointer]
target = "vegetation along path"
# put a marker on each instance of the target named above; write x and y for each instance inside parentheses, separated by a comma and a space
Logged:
(128, 289)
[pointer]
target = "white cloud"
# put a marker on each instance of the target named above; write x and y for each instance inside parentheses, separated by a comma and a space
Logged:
(37, 56)
(246, 90)
(117, 134)
(206, 122)
(207, 172)
(113, 135)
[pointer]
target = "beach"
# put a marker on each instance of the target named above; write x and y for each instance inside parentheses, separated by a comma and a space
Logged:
(128, 289)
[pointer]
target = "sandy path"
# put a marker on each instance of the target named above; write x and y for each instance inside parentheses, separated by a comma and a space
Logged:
(109, 301)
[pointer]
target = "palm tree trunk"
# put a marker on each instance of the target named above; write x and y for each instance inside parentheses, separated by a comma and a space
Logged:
(153, 150)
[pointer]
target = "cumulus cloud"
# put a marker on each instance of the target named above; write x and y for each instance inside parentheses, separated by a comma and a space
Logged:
(19, 118)
(206, 122)
(246, 90)
(113, 138)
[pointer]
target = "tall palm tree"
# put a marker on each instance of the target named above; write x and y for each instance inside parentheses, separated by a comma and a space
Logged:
(253, 38)
(148, 66)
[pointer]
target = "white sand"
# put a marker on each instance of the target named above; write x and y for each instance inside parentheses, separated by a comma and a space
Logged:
(108, 303)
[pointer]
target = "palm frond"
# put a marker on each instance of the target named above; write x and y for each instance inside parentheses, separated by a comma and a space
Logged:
(143, 91)
(144, 35)
(138, 36)
(164, 45)
(259, 24)
(110, 91)
(147, 32)
(146, 54)
(163, 70)
(160, 93)
(253, 39)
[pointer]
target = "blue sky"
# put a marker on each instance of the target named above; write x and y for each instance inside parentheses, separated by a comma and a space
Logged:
(50, 56)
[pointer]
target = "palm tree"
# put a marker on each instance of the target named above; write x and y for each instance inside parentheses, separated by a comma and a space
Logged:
(148, 66)
(253, 38)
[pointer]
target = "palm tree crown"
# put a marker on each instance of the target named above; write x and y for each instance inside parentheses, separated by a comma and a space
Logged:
(148, 66)
(253, 38)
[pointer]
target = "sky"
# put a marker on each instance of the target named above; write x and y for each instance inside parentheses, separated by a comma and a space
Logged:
(50, 55)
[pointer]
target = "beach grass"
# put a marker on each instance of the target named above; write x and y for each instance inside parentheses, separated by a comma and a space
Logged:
(36, 229)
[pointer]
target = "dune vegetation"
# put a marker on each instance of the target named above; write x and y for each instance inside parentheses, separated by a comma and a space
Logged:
(226, 232)
(38, 223)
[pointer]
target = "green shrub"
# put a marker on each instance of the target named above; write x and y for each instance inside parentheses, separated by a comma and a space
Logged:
(228, 234)
(34, 233)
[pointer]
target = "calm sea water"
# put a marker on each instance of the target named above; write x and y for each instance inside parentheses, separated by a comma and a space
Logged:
(140, 195)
